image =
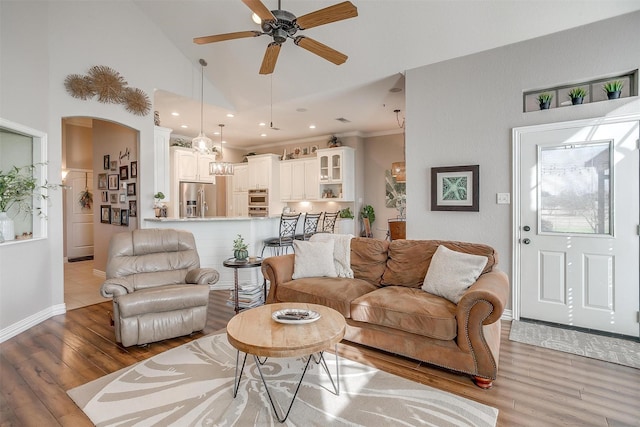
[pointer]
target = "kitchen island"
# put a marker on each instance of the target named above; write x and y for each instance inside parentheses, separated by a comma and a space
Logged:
(214, 240)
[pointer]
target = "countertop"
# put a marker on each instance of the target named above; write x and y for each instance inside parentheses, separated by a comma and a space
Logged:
(212, 219)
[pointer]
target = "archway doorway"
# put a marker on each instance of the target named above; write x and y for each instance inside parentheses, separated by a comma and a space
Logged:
(100, 160)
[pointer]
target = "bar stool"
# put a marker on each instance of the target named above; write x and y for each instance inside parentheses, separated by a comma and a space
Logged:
(287, 231)
(310, 226)
(329, 222)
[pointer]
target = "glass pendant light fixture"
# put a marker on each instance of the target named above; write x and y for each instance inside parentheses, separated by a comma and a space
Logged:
(201, 142)
(220, 168)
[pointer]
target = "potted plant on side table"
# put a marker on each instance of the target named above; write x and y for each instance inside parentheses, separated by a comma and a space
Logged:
(240, 251)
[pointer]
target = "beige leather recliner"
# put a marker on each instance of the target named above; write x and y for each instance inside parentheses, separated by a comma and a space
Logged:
(159, 290)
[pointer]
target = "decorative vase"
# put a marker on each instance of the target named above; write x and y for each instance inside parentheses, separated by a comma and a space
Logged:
(241, 254)
(7, 227)
(545, 105)
(613, 95)
(577, 100)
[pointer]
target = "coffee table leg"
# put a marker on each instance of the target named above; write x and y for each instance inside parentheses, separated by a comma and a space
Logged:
(273, 405)
(236, 377)
(321, 361)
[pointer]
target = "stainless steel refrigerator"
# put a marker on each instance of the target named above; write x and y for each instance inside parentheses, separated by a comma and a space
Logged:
(203, 200)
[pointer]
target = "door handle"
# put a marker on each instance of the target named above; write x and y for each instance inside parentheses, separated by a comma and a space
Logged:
(526, 228)
(526, 241)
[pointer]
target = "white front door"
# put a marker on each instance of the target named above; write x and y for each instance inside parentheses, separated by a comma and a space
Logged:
(79, 220)
(577, 227)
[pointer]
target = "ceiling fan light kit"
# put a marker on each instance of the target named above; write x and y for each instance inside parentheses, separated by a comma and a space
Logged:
(282, 25)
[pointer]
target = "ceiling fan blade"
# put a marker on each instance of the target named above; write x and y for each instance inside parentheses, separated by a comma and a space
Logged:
(259, 9)
(337, 12)
(270, 58)
(320, 49)
(227, 36)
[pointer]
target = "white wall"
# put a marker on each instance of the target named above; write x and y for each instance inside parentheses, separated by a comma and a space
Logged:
(41, 43)
(461, 112)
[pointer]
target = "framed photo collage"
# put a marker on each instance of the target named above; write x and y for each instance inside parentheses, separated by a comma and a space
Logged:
(117, 188)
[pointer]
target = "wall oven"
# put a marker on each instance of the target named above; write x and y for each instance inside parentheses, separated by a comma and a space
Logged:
(258, 203)
(258, 198)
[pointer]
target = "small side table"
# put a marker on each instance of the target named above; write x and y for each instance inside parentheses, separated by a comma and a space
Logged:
(235, 264)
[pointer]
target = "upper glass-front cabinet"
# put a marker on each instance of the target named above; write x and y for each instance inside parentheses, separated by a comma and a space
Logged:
(331, 166)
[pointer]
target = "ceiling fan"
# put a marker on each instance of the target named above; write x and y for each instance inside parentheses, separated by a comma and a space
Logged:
(281, 25)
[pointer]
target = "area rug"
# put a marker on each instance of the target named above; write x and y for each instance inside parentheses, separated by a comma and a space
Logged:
(615, 350)
(192, 385)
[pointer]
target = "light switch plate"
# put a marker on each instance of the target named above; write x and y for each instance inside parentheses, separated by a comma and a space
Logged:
(503, 198)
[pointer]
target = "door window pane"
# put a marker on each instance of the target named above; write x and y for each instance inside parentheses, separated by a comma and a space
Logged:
(575, 189)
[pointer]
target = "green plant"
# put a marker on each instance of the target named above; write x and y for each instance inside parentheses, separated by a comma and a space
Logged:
(614, 86)
(577, 92)
(368, 212)
(159, 195)
(545, 97)
(19, 186)
(239, 244)
(346, 213)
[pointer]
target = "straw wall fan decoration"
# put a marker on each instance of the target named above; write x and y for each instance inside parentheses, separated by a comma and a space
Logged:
(110, 88)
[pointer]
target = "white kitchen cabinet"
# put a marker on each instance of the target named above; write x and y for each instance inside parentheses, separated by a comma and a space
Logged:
(189, 165)
(161, 159)
(264, 174)
(336, 175)
(239, 206)
(240, 177)
(299, 180)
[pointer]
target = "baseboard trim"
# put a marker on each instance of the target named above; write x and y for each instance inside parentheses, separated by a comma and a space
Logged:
(507, 315)
(29, 322)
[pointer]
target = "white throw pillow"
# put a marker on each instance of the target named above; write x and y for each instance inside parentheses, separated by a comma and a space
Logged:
(341, 251)
(451, 273)
(313, 259)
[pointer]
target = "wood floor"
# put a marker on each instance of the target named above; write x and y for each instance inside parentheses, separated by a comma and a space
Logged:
(535, 387)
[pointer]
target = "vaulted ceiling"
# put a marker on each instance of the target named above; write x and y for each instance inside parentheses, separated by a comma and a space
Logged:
(382, 42)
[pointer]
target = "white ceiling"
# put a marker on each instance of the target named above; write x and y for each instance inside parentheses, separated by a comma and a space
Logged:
(386, 39)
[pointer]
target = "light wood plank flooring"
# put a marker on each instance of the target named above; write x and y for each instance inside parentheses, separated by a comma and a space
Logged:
(535, 386)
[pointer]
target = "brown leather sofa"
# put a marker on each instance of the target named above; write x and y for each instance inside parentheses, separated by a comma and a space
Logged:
(386, 308)
(159, 290)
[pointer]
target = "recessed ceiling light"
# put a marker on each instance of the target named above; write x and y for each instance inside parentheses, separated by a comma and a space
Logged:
(263, 134)
(262, 124)
(230, 115)
(175, 114)
(312, 126)
(395, 89)
(184, 126)
(216, 132)
(224, 142)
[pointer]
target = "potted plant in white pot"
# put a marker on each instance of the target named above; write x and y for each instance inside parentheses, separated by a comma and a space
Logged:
(18, 187)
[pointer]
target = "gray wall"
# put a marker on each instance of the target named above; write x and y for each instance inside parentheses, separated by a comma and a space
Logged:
(462, 112)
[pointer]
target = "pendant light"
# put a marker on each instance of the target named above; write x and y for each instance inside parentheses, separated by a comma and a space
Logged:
(201, 142)
(398, 169)
(220, 168)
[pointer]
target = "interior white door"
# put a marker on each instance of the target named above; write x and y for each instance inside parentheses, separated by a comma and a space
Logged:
(79, 220)
(578, 226)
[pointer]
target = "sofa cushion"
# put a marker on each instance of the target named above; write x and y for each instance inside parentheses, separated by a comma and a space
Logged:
(409, 260)
(336, 293)
(369, 259)
(451, 273)
(341, 251)
(407, 309)
(313, 259)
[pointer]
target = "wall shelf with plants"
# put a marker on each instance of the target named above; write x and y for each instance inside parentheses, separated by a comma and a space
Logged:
(597, 90)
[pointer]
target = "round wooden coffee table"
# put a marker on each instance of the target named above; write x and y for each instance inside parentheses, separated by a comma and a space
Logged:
(255, 332)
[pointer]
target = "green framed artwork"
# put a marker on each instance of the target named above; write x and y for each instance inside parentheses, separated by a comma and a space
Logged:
(455, 188)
